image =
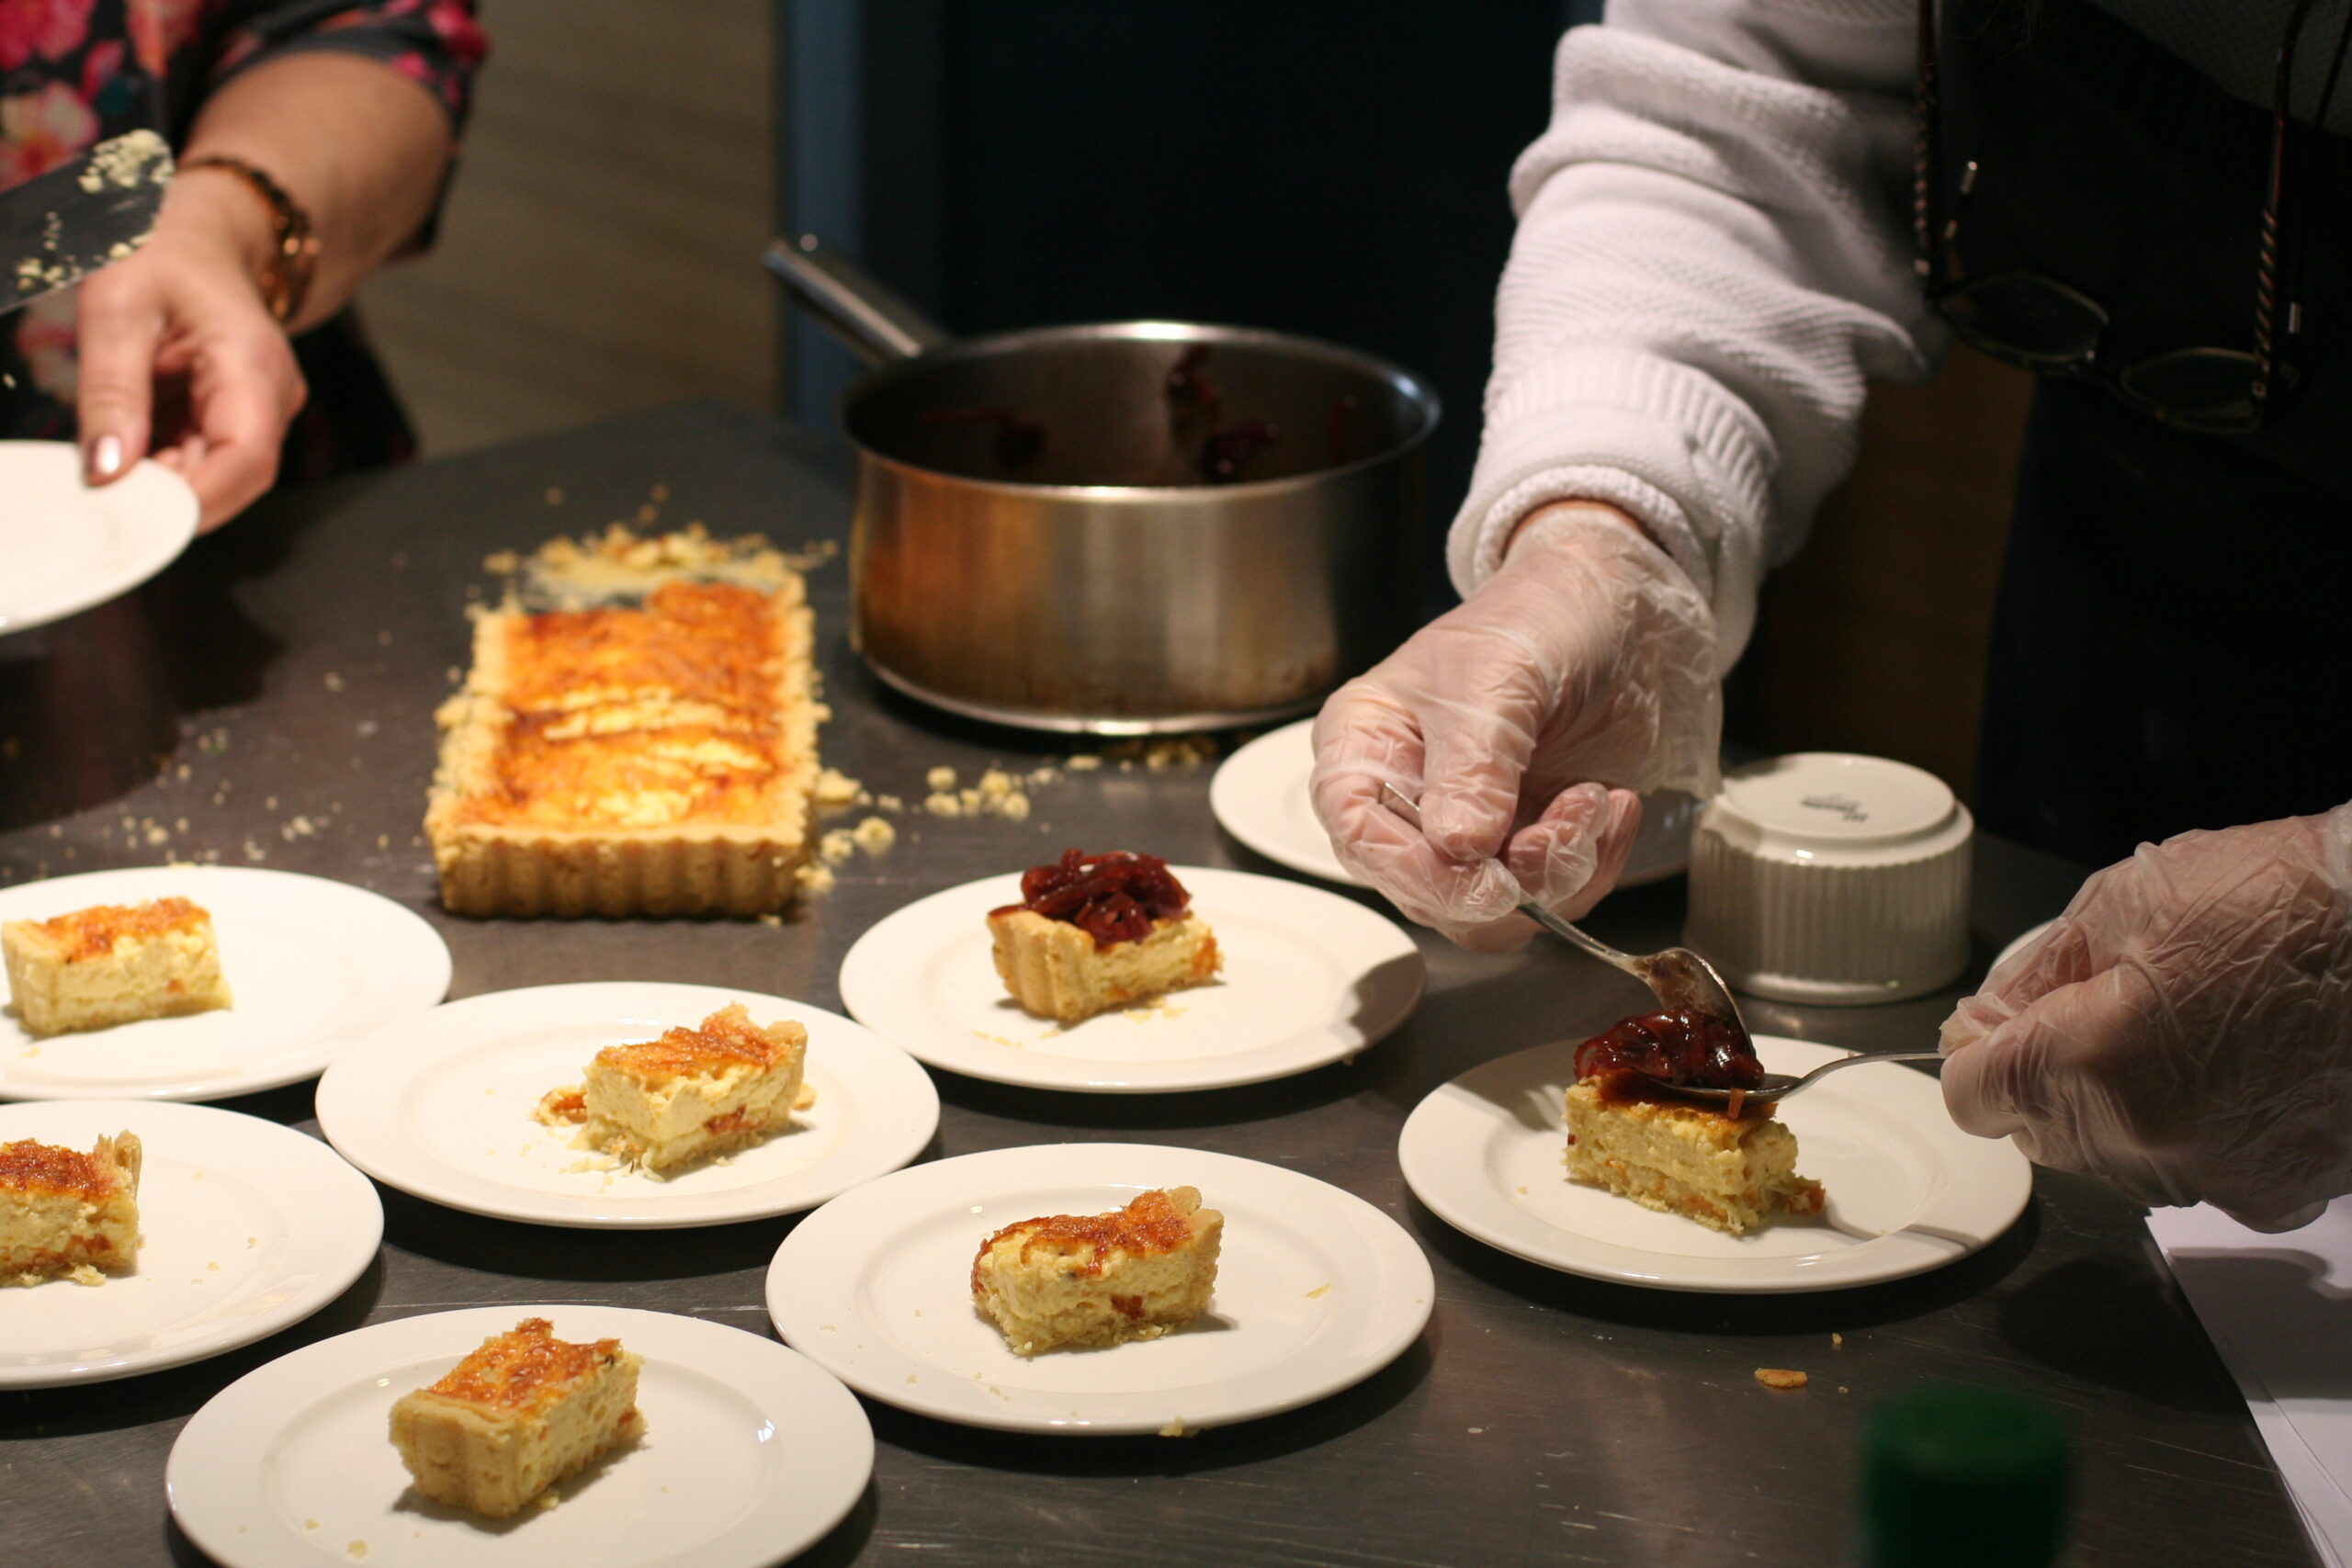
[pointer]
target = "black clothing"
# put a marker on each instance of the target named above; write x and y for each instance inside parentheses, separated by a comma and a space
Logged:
(2173, 643)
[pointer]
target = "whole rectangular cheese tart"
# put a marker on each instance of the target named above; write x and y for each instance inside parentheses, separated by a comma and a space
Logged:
(65, 1214)
(651, 759)
(521, 1410)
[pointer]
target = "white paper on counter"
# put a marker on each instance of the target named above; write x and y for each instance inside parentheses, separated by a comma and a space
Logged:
(2279, 1310)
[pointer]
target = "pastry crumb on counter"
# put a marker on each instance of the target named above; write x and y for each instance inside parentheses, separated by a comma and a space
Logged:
(1008, 793)
(998, 793)
(595, 567)
(812, 554)
(1779, 1377)
(838, 845)
(837, 788)
(1156, 753)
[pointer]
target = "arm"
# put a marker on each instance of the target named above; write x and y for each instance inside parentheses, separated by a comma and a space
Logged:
(362, 148)
(1709, 260)
(1712, 255)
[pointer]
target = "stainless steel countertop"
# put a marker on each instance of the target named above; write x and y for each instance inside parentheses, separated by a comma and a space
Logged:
(296, 659)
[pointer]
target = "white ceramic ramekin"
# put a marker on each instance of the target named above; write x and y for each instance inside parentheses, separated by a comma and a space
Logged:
(1826, 877)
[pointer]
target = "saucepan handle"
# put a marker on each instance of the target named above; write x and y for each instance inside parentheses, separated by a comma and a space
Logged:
(873, 322)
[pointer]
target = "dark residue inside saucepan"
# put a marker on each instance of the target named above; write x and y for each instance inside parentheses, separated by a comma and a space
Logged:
(1146, 409)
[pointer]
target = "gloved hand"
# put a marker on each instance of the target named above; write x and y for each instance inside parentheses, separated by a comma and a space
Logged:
(2185, 1030)
(1588, 660)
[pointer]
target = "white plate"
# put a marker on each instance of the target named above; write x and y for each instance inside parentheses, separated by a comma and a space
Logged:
(749, 1454)
(1260, 796)
(69, 546)
(2029, 934)
(246, 1227)
(1908, 1192)
(1316, 1290)
(439, 1105)
(312, 962)
(1309, 977)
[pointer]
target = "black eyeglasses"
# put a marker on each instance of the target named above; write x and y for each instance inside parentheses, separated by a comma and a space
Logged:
(2031, 319)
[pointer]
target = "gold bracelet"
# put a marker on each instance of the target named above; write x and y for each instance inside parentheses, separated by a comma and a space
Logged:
(294, 255)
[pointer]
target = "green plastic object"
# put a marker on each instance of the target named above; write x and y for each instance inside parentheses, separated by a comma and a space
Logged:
(1958, 1477)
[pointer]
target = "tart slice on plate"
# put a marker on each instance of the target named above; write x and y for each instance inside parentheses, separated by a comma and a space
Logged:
(1731, 1167)
(1067, 1280)
(522, 1410)
(1095, 932)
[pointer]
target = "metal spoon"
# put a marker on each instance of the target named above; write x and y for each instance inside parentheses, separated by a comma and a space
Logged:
(1679, 977)
(1777, 1087)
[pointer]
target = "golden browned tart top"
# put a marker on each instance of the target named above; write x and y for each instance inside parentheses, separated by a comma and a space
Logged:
(690, 642)
(44, 1167)
(524, 1369)
(92, 933)
(724, 1039)
(639, 718)
(1146, 1227)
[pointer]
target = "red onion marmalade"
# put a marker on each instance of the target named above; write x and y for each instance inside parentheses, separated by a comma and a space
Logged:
(1115, 897)
(1679, 1047)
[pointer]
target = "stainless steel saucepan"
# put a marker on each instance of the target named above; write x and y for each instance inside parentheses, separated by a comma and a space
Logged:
(1128, 528)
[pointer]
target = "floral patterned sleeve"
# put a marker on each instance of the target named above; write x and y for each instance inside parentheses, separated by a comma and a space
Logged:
(436, 42)
(75, 72)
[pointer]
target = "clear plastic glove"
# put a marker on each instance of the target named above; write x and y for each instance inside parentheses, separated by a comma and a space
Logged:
(1524, 723)
(2185, 1030)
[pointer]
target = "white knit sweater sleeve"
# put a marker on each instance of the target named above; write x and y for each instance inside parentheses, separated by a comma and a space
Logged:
(1712, 255)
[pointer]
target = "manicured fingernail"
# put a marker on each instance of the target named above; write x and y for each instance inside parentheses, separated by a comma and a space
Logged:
(105, 457)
